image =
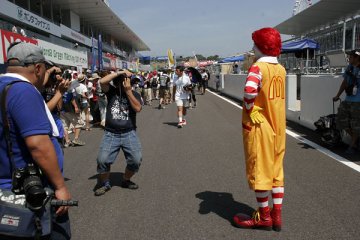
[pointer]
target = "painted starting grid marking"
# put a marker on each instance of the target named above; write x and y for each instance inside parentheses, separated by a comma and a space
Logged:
(306, 141)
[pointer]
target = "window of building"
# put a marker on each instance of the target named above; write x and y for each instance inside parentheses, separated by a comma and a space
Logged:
(35, 7)
(22, 3)
(47, 9)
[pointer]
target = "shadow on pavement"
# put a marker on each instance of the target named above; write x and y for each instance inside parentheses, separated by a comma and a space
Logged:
(115, 179)
(171, 123)
(222, 204)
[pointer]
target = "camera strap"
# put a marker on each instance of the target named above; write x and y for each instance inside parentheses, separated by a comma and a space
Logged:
(6, 124)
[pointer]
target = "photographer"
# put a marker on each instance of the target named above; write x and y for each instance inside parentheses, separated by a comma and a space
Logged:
(120, 130)
(32, 128)
(54, 88)
(348, 117)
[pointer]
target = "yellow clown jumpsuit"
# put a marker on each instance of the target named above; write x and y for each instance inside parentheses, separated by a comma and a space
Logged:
(264, 143)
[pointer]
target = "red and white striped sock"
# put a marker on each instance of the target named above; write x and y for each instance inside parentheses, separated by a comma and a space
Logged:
(262, 198)
(277, 196)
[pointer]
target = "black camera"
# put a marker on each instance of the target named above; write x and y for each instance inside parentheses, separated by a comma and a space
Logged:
(66, 75)
(27, 181)
(188, 87)
(118, 80)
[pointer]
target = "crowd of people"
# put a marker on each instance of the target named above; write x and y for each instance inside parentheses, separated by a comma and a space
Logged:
(46, 105)
(42, 105)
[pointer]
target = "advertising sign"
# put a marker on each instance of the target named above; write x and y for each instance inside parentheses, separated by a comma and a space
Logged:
(64, 56)
(7, 38)
(13, 11)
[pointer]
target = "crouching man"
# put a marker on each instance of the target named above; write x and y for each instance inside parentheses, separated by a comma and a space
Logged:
(120, 130)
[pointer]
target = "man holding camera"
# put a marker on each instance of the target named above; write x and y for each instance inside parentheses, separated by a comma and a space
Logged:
(181, 94)
(120, 130)
(32, 129)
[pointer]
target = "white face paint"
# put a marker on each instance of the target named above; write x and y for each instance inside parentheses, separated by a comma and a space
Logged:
(257, 52)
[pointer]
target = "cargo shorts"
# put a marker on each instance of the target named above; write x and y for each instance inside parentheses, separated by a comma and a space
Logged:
(348, 116)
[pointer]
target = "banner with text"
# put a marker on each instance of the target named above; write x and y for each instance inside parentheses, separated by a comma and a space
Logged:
(6, 38)
(15, 12)
(64, 56)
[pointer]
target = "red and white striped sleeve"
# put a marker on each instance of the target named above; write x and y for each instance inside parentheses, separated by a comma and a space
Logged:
(252, 87)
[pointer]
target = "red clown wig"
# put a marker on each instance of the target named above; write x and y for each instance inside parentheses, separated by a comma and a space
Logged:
(268, 41)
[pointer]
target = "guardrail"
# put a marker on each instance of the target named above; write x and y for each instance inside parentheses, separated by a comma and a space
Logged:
(308, 97)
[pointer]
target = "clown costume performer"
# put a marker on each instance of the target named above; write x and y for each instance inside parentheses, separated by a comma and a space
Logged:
(264, 125)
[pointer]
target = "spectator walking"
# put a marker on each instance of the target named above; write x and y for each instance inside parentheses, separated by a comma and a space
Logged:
(120, 131)
(70, 115)
(102, 100)
(180, 95)
(83, 100)
(155, 85)
(164, 80)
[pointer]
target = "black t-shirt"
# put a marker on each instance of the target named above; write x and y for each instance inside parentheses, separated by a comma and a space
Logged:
(164, 79)
(120, 117)
(48, 93)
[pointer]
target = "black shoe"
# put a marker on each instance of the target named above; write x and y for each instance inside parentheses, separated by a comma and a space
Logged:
(129, 184)
(102, 190)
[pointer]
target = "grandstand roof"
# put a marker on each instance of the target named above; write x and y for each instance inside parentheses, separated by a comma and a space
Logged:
(98, 14)
(319, 15)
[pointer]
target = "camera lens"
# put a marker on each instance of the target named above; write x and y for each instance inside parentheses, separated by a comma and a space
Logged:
(34, 192)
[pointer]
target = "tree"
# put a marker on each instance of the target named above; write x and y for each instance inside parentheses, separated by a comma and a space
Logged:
(213, 58)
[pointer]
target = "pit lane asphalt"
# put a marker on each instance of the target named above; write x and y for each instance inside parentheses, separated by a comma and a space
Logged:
(192, 181)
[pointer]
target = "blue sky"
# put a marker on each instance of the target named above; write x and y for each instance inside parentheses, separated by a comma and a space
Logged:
(206, 27)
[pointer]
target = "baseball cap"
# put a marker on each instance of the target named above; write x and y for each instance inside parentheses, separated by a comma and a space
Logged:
(25, 54)
(94, 76)
(355, 52)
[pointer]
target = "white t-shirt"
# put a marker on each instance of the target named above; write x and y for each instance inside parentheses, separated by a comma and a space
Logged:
(180, 82)
(89, 90)
(80, 90)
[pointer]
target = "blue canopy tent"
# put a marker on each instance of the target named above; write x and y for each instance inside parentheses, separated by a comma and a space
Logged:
(300, 45)
(232, 59)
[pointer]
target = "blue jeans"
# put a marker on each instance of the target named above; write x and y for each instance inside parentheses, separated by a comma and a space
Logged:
(110, 147)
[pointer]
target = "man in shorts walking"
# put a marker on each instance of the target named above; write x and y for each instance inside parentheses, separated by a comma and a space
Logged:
(181, 94)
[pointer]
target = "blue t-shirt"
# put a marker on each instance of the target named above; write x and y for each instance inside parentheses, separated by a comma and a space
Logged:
(355, 71)
(27, 117)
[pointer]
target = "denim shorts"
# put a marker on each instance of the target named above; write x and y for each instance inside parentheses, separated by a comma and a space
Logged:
(110, 147)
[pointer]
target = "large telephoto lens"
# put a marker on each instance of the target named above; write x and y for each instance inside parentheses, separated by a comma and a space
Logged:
(34, 192)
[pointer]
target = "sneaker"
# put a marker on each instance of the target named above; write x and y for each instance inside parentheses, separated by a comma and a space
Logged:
(129, 184)
(102, 190)
(183, 122)
(180, 125)
(67, 144)
(78, 142)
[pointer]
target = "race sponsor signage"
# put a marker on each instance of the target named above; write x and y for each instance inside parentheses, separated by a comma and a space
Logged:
(7, 38)
(11, 10)
(52, 52)
(64, 56)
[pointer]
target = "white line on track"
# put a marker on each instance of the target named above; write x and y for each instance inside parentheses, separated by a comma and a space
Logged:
(306, 141)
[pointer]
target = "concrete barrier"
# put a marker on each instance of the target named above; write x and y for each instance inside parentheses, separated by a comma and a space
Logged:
(308, 97)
